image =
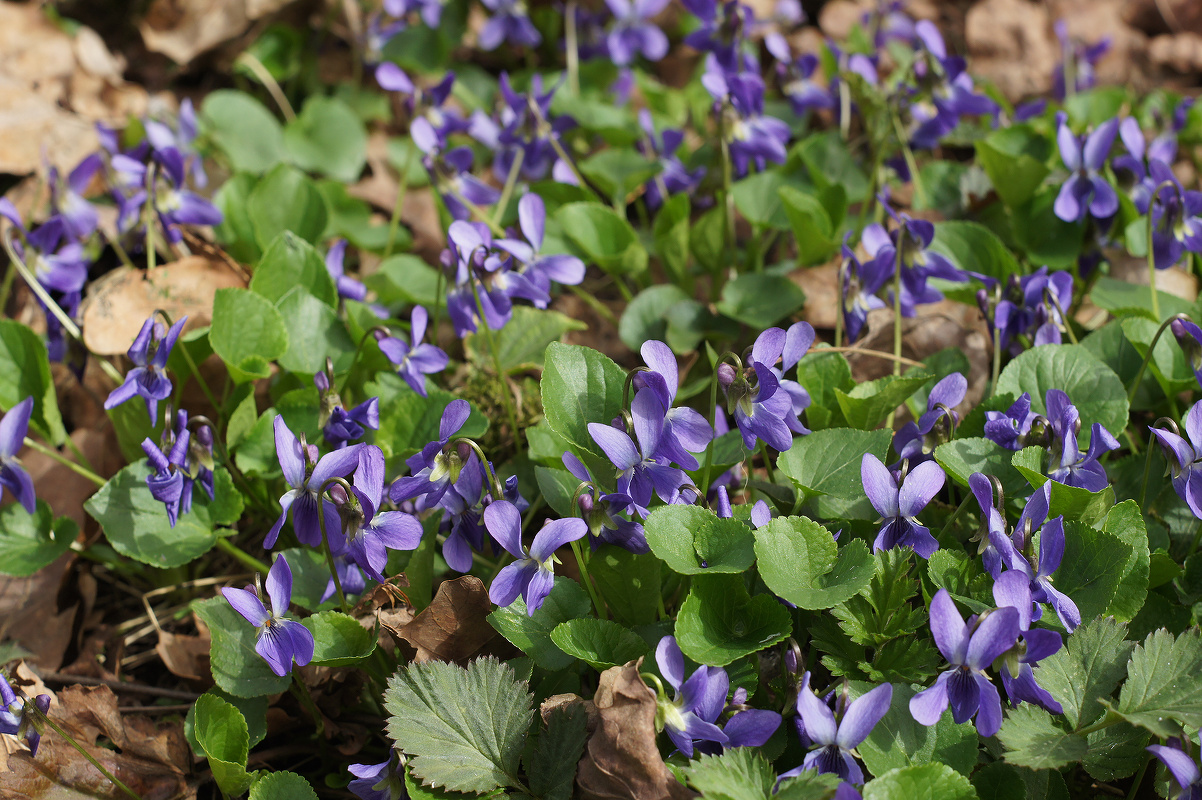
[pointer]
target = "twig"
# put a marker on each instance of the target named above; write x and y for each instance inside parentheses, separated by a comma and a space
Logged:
(65, 679)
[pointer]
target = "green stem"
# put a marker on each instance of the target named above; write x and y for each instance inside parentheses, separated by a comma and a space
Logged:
(91, 759)
(359, 350)
(1139, 376)
(265, 77)
(1193, 547)
(573, 48)
(6, 288)
(709, 448)
(767, 461)
(394, 222)
(1152, 269)
(997, 348)
(115, 243)
(506, 395)
(955, 516)
(511, 181)
(582, 563)
(595, 304)
(494, 483)
(919, 192)
(1143, 492)
(241, 556)
(1139, 778)
(1102, 724)
(78, 469)
(325, 538)
(301, 693)
(897, 316)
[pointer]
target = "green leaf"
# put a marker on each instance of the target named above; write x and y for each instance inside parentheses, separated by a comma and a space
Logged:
(924, 782)
(339, 640)
(315, 333)
(532, 633)
(289, 262)
(243, 128)
(812, 227)
(1091, 385)
(760, 299)
(999, 781)
(404, 279)
(523, 341)
(286, 200)
(1033, 740)
(1117, 751)
(825, 465)
(694, 541)
(1164, 683)
(1127, 523)
(960, 458)
(809, 785)
(235, 665)
(579, 386)
(464, 728)
(1046, 238)
(551, 767)
(282, 786)
(600, 643)
(1014, 158)
(1118, 296)
(605, 238)
(868, 403)
(1090, 572)
(222, 734)
(756, 198)
(740, 773)
(136, 524)
(831, 163)
(899, 741)
(1087, 669)
(644, 316)
(247, 332)
(629, 583)
(821, 374)
(327, 137)
(352, 219)
(800, 562)
(618, 171)
(972, 246)
(254, 711)
(670, 234)
(25, 372)
(29, 542)
(720, 622)
(235, 232)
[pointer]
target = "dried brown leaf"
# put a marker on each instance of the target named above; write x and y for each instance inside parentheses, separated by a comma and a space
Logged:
(183, 655)
(183, 29)
(622, 760)
(30, 614)
(454, 627)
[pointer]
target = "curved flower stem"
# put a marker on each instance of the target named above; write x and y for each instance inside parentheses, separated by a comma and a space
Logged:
(6, 288)
(241, 556)
(582, 563)
(54, 726)
(511, 181)
(78, 469)
(997, 345)
(394, 222)
(955, 516)
(506, 395)
(265, 77)
(1049, 296)
(325, 538)
(115, 243)
(919, 192)
(494, 483)
(1139, 376)
(359, 350)
(767, 461)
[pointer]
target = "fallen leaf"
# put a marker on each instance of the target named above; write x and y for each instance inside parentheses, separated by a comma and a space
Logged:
(1181, 52)
(118, 303)
(454, 627)
(1164, 16)
(822, 297)
(183, 655)
(622, 760)
(30, 614)
(1011, 44)
(183, 29)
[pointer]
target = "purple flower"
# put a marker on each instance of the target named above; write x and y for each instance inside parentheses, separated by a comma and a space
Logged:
(79, 217)
(508, 23)
(969, 649)
(767, 411)
(524, 123)
(684, 430)
(641, 469)
(674, 177)
(1181, 766)
(1018, 663)
(176, 205)
(1176, 216)
(1184, 457)
(633, 33)
(348, 287)
(899, 505)
(305, 475)
(435, 468)
(1016, 554)
(383, 781)
(148, 378)
(450, 171)
(1075, 468)
(747, 727)
(860, 285)
(1009, 428)
(429, 10)
(1087, 190)
(15, 717)
(1083, 59)
(916, 441)
(349, 576)
(602, 513)
(280, 640)
(59, 268)
(753, 138)
(162, 138)
(798, 84)
(13, 477)
(415, 359)
(532, 574)
(170, 484)
(993, 522)
(833, 743)
(468, 258)
(1028, 305)
(369, 534)
(533, 281)
(1189, 338)
(691, 715)
(918, 263)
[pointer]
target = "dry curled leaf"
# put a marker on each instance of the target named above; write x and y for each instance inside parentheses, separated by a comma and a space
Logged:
(30, 614)
(622, 759)
(183, 29)
(454, 627)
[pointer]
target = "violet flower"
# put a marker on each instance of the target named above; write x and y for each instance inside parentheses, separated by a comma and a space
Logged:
(305, 475)
(764, 411)
(149, 352)
(469, 257)
(860, 285)
(747, 727)
(1086, 191)
(1067, 464)
(280, 641)
(1016, 554)
(58, 263)
(684, 430)
(524, 123)
(434, 468)
(510, 24)
(451, 171)
(993, 523)
(642, 469)
(691, 715)
(1027, 305)
(797, 83)
(1184, 457)
(753, 138)
(79, 217)
(16, 718)
(1182, 766)
(429, 10)
(176, 205)
(348, 287)
(633, 33)
(369, 533)
(917, 440)
(414, 360)
(1019, 662)
(1189, 339)
(602, 513)
(350, 577)
(1177, 218)
(833, 743)
(383, 781)
(1009, 428)
(969, 649)
(918, 262)
(162, 138)
(532, 574)
(899, 505)
(533, 281)
(1083, 59)
(674, 177)
(13, 477)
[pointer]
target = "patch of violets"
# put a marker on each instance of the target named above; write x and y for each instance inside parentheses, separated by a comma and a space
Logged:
(916, 440)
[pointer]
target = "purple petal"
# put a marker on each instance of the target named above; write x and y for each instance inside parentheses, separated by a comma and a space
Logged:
(1013, 590)
(504, 523)
(950, 391)
(13, 427)
(1051, 547)
(248, 604)
(1041, 643)
(288, 451)
(369, 475)
(510, 582)
(1070, 147)
(989, 717)
(616, 444)
(948, 628)
(335, 464)
(817, 717)
(301, 640)
(798, 340)
(1098, 144)
(397, 530)
(995, 634)
(1068, 201)
(670, 661)
(1181, 765)
(879, 485)
(453, 417)
(751, 727)
(532, 217)
(285, 503)
(540, 585)
(768, 347)
(274, 645)
(658, 356)
(923, 482)
(279, 585)
(554, 535)
(862, 716)
(928, 705)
